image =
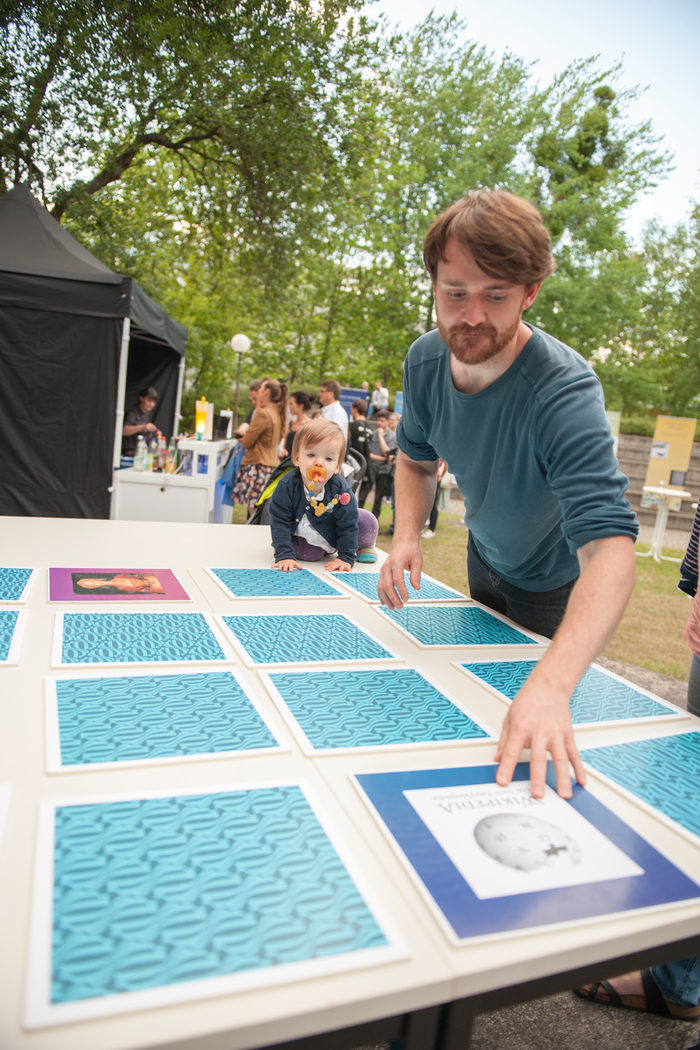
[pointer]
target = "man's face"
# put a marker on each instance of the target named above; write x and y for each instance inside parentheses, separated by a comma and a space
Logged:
(326, 397)
(478, 316)
(147, 404)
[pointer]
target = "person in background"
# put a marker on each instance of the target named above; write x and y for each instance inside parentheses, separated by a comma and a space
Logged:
(138, 420)
(365, 385)
(260, 441)
(380, 399)
(361, 439)
(431, 524)
(381, 451)
(329, 398)
(253, 388)
(299, 408)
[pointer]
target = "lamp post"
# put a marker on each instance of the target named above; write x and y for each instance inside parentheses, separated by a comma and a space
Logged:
(240, 344)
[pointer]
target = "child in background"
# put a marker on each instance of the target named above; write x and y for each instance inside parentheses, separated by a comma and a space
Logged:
(313, 511)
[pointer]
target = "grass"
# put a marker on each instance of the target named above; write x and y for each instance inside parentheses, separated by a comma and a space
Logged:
(650, 633)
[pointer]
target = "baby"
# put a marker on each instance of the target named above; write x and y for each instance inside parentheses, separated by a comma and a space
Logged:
(313, 511)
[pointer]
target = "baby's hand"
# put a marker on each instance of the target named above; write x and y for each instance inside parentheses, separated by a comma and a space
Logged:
(337, 566)
(287, 565)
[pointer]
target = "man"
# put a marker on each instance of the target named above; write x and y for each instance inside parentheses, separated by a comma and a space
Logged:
(381, 453)
(329, 398)
(520, 419)
(360, 439)
(380, 399)
(137, 420)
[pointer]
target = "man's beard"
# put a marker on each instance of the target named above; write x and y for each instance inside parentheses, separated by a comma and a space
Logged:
(472, 345)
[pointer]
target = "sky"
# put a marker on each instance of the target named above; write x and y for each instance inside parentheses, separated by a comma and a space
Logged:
(657, 41)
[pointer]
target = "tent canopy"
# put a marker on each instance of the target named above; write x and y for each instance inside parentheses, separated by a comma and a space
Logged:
(62, 316)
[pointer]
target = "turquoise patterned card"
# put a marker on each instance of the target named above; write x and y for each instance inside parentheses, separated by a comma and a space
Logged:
(447, 626)
(104, 639)
(138, 719)
(272, 583)
(380, 708)
(663, 773)
(283, 639)
(599, 697)
(160, 898)
(12, 625)
(365, 584)
(15, 583)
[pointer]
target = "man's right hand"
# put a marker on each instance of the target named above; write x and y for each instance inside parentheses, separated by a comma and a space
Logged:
(149, 427)
(391, 588)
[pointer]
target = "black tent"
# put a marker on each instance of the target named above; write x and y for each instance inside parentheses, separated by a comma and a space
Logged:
(77, 342)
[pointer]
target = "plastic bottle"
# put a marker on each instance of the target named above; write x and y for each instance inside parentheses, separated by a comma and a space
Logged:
(140, 454)
(153, 455)
(162, 452)
(171, 458)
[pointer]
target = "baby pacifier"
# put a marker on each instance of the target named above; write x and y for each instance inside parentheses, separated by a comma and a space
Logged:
(316, 475)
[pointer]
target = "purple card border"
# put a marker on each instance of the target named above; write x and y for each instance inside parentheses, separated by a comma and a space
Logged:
(61, 586)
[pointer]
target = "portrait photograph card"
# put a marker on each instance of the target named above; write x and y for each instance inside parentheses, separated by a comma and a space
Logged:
(493, 861)
(273, 583)
(365, 585)
(103, 721)
(452, 626)
(16, 584)
(115, 585)
(661, 773)
(13, 623)
(389, 708)
(600, 697)
(186, 896)
(297, 640)
(123, 639)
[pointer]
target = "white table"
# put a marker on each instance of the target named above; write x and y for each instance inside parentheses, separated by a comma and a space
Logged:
(406, 998)
(667, 496)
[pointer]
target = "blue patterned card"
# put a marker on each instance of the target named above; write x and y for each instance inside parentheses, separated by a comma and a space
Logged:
(599, 697)
(386, 707)
(365, 584)
(272, 583)
(155, 900)
(103, 638)
(145, 718)
(15, 584)
(663, 773)
(12, 624)
(282, 639)
(447, 626)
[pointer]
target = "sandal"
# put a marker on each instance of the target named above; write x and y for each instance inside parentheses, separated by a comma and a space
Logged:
(651, 1002)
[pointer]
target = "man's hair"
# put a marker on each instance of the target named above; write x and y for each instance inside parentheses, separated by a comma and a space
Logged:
(504, 234)
(319, 429)
(149, 392)
(381, 414)
(334, 386)
(360, 406)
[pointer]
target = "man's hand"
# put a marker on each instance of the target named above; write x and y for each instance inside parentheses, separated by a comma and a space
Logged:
(337, 565)
(150, 427)
(391, 588)
(539, 718)
(287, 565)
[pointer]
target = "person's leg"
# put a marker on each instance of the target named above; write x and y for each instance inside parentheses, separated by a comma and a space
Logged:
(483, 584)
(432, 522)
(368, 530)
(365, 486)
(679, 982)
(380, 482)
(694, 687)
(306, 551)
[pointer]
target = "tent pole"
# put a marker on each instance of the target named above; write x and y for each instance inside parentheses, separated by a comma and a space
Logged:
(121, 393)
(178, 398)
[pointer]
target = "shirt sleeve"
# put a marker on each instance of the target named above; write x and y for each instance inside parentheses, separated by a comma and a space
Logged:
(282, 521)
(347, 527)
(576, 453)
(410, 436)
(689, 567)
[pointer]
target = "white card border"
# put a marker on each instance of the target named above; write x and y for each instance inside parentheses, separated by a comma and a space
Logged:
(13, 653)
(247, 659)
(539, 640)
(53, 737)
(458, 598)
(467, 942)
(308, 748)
(57, 644)
(22, 600)
(5, 796)
(38, 1010)
(677, 714)
(117, 600)
(272, 597)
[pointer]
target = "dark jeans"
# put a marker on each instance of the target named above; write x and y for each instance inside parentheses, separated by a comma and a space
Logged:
(538, 611)
(381, 487)
(694, 687)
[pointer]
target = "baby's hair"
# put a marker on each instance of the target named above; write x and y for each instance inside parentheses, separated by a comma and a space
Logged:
(319, 429)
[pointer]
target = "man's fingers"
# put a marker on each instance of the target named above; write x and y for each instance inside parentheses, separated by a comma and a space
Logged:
(538, 772)
(577, 763)
(400, 583)
(509, 760)
(560, 760)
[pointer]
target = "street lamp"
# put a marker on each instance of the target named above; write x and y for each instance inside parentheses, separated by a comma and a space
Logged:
(240, 344)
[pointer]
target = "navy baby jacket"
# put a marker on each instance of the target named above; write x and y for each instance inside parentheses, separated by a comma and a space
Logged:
(338, 525)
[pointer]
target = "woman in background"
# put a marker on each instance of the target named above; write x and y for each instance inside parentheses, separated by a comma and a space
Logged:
(299, 406)
(268, 427)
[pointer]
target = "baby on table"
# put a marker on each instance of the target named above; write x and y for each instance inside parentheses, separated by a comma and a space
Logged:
(313, 511)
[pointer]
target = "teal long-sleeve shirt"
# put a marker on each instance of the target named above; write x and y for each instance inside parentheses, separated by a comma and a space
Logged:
(532, 454)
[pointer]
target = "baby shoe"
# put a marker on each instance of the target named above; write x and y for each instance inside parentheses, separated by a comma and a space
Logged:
(367, 554)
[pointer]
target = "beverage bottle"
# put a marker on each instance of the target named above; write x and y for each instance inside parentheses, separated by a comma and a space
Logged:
(140, 454)
(171, 458)
(162, 452)
(152, 455)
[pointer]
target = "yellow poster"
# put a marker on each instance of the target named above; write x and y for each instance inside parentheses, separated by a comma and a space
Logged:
(671, 449)
(614, 419)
